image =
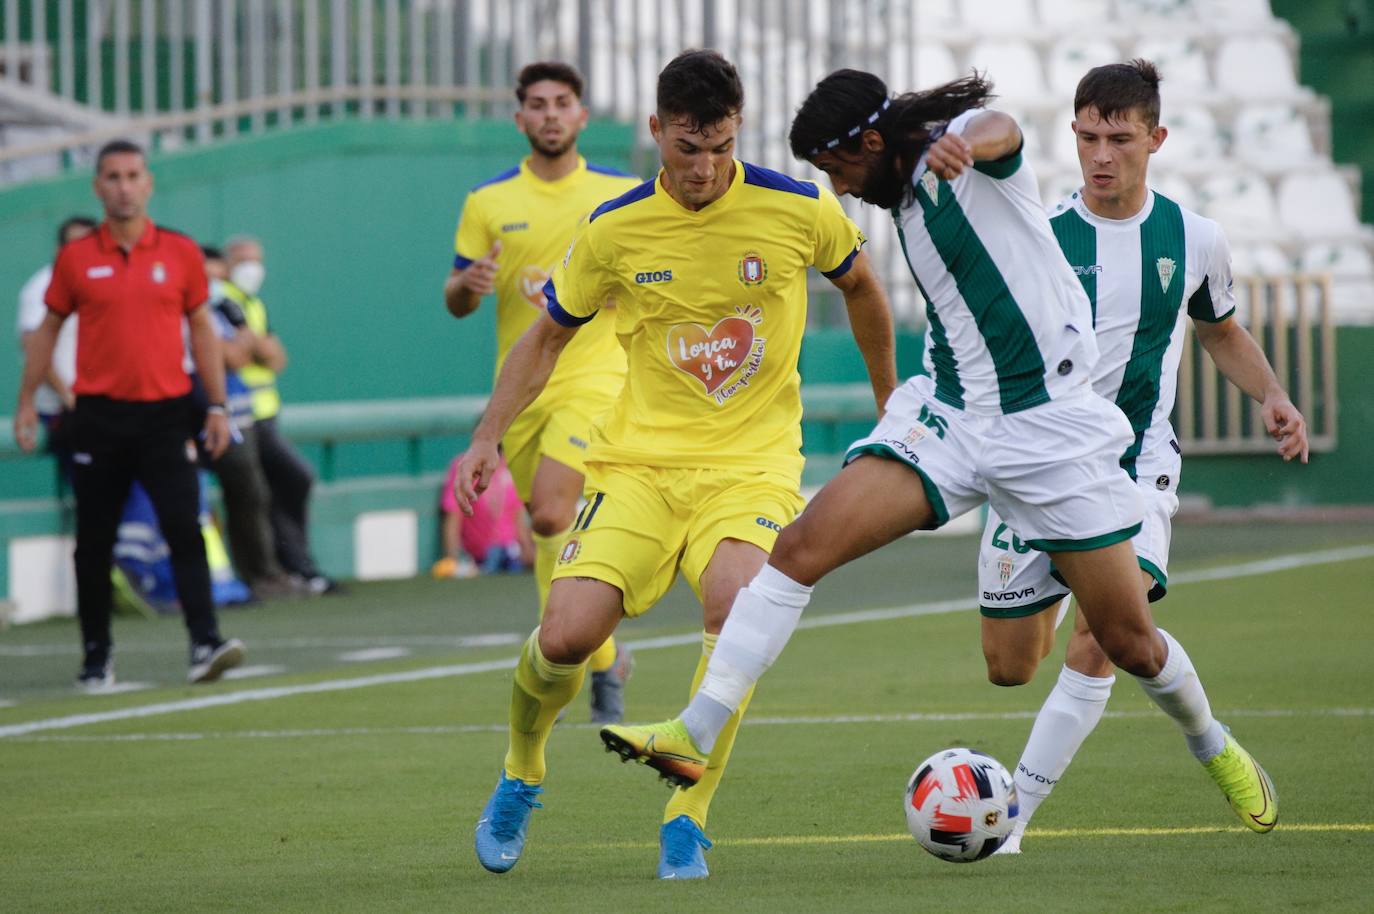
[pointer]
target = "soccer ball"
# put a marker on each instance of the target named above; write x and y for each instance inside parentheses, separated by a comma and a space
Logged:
(961, 805)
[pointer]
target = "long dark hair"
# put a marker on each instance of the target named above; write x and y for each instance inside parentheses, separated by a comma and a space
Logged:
(847, 102)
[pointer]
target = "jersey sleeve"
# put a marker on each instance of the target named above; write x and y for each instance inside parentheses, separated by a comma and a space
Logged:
(1215, 299)
(837, 239)
(59, 297)
(472, 240)
(1000, 169)
(580, 284)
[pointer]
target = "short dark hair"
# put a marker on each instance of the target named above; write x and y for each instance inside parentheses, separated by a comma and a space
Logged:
(700, 87)
(72, 222)
(210, 252)
(1120, 88)
(555, 70)
(114, 147)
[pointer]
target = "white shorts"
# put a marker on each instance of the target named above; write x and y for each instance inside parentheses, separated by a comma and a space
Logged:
(1052, 472)
(1015, 581)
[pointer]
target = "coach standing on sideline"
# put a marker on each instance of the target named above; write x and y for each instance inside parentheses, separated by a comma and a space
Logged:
(133, 282)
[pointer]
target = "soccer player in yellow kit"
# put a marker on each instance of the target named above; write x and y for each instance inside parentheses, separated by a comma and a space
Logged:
(698, 464)
(513, 229)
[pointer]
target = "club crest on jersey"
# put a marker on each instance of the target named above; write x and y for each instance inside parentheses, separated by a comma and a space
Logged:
(931, 182)
(1006, 565)
(753, 269)
(731, 351)
(159, 273)
(571, 549)
(1165, 266)
(531, 284)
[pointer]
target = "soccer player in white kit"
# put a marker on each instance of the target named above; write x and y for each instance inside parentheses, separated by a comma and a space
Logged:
(1006, 415)
(1147, 266)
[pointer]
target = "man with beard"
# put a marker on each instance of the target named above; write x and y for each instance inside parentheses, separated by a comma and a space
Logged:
(1006, 415)
(513, 229)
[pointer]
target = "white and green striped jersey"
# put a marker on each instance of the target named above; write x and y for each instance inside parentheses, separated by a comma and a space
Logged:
(1138, 273)
(1010, 327)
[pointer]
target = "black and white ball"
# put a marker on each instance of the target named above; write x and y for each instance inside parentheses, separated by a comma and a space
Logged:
(961, 805)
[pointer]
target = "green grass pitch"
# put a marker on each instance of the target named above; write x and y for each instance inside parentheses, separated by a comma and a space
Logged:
(361, 793)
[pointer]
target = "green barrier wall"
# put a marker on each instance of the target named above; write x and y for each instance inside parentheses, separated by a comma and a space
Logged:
(357, 219)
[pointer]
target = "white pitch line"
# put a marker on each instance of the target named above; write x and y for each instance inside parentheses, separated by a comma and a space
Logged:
(1279, 563)
(499, 639)
(799, 721)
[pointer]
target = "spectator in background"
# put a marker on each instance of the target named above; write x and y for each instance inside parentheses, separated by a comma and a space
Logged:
(132, 282)
(247, 498)
(288, 476)
(495, 538)
(54, 396)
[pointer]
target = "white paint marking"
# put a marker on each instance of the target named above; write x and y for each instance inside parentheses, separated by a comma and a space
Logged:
(818, 720)
(499, 639)
(252, 672)
(1280, 563)
(374, 653)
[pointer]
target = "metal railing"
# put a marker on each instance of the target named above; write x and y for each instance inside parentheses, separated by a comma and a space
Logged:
(1290, 317)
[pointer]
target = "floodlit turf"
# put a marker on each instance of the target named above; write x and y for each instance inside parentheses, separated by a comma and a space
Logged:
(363, 799)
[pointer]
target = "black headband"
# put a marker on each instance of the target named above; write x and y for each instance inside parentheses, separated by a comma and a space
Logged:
(853, 132)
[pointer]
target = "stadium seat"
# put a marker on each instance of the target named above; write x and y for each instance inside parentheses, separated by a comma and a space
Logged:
(1242, 202)
(1182, 64)
(998, 17)
(1056, 185)
(1174, 186)
(1352, 278)
(1194, 141)
(1070, 59)
(934, 64)
(1258, 67)
(1156, 12)
(1013, 67)
(1236, 13)
(1065, 15)
(1272, 136)
(939, 15)
(1063, 142)
(1318, 205)
(1260, 260)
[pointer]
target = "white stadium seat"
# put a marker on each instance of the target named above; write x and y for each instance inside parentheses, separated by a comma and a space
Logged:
(1057, 185)
(1182, 65)
(1258, 67)
(1063, 143)
(1317, 205)
(936, 14)
(1070, 59)
(1242, 203)
(934, 65)
(1352, 278)
(1193, 141)
(1272, 136)
(1013, 67)
(998, 17)
(1236, 13)
(1174, 186)
(1155, 12)
(1074, 14)
(1259, 260)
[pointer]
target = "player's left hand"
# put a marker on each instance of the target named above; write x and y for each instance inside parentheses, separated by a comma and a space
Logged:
(217, 434)
(949, 156)
(1286, 426)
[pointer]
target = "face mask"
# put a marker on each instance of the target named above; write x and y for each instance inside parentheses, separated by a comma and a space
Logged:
(248, 276)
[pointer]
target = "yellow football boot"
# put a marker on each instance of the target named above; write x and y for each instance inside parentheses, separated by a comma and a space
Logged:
(1247, 788)
(667, 748)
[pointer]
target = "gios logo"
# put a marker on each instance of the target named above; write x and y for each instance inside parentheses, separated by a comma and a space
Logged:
(652, 276)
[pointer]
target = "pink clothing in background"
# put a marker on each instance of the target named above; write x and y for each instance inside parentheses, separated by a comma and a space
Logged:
(495, 520)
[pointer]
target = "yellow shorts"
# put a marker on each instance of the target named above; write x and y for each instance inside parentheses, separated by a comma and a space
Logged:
(640, 525)
(559, 429)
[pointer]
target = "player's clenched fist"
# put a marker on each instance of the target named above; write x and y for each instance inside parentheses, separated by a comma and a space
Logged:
(480, 275)
(949, 156)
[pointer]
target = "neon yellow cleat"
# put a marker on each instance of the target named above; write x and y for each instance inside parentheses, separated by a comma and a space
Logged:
(1247, 788)
(667, 748)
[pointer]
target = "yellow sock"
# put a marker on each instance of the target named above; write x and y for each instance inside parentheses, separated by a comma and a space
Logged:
(695, 802)
(541, 690)
(603, 658)
(545, 557)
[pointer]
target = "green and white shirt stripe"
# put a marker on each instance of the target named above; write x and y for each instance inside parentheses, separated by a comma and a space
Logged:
(1138, 274)
(1010, 327)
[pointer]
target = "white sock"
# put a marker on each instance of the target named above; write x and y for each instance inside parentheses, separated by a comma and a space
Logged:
(1178, 693)
(761, 620)
(1069, 714)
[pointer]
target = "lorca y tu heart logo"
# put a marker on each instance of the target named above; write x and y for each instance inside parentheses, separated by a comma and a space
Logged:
(714, 356)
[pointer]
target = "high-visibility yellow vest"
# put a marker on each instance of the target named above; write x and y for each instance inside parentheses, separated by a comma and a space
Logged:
(260, 380)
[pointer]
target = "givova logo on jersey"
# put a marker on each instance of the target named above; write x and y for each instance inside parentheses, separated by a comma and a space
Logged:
(731, 351)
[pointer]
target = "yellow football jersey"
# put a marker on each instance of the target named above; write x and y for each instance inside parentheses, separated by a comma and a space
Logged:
(534, 221)
(710, 306)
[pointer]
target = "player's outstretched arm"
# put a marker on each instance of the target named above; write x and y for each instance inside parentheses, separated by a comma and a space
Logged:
(523, 377)
(1241, 360)
(991, 135)
(870, 320)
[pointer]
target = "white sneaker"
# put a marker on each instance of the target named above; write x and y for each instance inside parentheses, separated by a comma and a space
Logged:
(1011, 846)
